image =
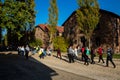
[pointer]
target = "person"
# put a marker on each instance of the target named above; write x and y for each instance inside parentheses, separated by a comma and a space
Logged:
(45, 51)
(27, 49)
(49, 51)
(34, 51)
(76, 51)
(92, 56)
(59, 53)
(86, 58)
(41, 54)
(71, 54)
(82, 50)
(109, 57)
(100, 53)
(88, 53)
(19, 50)
(22, 51)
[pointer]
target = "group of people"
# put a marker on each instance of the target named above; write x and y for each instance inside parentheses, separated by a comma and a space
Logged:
(43, 51)
(109, 56)
(24, 51)
(87, 55)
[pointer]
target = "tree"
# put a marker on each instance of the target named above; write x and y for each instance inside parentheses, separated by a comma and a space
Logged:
(18, 17)
(87, 17)
(53, 18)
(0, 20)
(36, 42)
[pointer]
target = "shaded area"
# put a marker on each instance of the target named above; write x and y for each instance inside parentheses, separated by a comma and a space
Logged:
(66, 60)
(15, 67)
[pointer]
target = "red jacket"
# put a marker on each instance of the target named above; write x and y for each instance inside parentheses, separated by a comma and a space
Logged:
(83, 49)
(100, 51)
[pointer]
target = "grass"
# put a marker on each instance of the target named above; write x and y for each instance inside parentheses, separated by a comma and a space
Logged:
(116, 56)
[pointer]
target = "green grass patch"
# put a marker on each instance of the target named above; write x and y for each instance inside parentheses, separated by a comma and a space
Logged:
(116, 56)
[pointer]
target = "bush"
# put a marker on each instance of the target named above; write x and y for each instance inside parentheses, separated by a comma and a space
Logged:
(36, 42)
(59, 42)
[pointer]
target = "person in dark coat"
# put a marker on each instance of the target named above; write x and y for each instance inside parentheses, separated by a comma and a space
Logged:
(86, 62)
(59, 53)
(92, 56)
(109, 57)
(27, 49)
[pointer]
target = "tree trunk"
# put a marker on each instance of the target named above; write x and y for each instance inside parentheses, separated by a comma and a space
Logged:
(9, 37)
(51, 41)
(6, 40)
(89, 44)
(0, 35)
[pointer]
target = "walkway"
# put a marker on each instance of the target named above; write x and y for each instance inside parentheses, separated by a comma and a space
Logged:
(96, 71)
(15, 67)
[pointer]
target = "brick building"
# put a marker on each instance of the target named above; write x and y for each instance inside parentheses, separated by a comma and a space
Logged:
(42, 32)
(60, 31)
(107, 31)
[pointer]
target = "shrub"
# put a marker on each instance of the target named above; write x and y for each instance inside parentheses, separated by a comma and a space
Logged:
(59, 42)
(36, 42)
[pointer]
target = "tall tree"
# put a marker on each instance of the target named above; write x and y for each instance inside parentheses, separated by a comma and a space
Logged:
(53, 19)
(87, 17)
(18, 17)
(0, 20)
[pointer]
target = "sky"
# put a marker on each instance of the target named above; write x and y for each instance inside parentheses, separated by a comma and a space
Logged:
(66, 7)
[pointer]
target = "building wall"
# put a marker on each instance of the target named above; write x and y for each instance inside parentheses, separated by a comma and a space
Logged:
(71, 31)
(104, 34)
(106, 31)
(40, 34)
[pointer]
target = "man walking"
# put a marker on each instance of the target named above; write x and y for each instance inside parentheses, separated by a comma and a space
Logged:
(109, 57)
(27, 49)
(71, 54)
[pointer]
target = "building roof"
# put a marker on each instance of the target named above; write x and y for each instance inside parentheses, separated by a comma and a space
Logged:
(101, 10)
(45, 27)
(60, 29)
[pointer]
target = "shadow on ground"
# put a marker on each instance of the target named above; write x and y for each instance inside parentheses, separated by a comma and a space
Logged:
(64, 59)
(15, 67)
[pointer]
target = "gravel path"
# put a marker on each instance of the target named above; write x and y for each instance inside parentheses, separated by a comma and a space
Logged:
(96, 71)
(15, 67)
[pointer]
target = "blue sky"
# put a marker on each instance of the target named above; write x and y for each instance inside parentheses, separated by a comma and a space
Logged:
(66, 7)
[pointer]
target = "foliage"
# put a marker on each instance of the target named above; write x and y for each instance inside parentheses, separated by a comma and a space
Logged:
(17, 16)
(87, 16)
(36, 42)
(53, 18)
(60, 42)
